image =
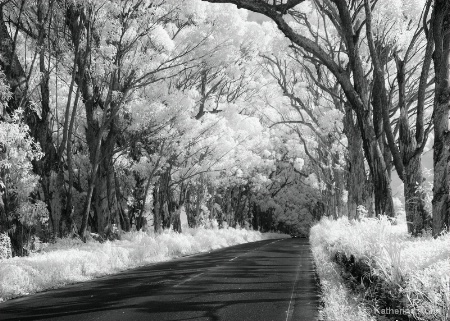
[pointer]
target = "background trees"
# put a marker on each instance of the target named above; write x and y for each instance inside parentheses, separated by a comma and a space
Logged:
(360, 48)
(128, 115)
(136, 114)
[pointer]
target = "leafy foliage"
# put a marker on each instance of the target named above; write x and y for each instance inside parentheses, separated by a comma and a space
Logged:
(17, 178)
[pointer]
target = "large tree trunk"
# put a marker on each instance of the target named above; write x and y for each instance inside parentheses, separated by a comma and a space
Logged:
(256, 216)
(375, 156)
(103, 197)
(68, 211)
(42, 131)
(441, 156)
(339, 185)
(382, 188)
(101, 174)
(416, 213)
(165, 211)
(157, 217)
(101, 132)
(195, 196)
(124, 216)
(381, 169)
(371, 128)
(100, 201)
(359, 191)
(190, 208)
(136, 209)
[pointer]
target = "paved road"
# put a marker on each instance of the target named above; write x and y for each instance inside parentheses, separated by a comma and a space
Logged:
(266, 280)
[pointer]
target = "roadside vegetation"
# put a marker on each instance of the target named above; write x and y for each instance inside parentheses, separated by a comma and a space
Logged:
(388, 272)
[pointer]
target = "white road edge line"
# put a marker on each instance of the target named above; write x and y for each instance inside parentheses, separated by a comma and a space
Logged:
(187, 280)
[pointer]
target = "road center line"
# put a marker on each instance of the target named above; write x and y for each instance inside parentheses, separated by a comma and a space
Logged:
(219, 266)
(289, 312)
(253, 250)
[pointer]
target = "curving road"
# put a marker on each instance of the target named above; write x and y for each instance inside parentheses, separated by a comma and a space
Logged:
(266, 280)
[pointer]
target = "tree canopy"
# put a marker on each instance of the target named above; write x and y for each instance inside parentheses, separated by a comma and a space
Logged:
(134, 114)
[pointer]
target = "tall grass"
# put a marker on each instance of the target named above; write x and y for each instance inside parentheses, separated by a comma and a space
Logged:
(418, 267)
(338, 302)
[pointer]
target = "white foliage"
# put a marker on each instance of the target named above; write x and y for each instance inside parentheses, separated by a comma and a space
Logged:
(312, 181)
(161, 39)
(331, 120)
(5, 93)
(16, 163)
(298, 163)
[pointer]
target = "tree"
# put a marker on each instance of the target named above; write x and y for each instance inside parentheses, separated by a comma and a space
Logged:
(438, 32)
(117, 40)
(354, 86)
(130, 100)
(368, 98)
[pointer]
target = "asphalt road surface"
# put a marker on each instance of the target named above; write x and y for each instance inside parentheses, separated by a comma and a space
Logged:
(266, 280)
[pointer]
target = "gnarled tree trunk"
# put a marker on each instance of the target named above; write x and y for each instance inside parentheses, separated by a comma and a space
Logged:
(165, 212)
(358, 186)
(441, 157)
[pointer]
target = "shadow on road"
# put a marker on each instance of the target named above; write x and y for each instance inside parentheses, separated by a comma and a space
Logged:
(256, 281)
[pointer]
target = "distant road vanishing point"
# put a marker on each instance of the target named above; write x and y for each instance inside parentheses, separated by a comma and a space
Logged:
(265, 280)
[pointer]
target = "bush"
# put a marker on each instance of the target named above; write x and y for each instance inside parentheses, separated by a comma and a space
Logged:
(5, 246)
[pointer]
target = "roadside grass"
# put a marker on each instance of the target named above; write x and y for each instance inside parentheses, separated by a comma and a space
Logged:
(338, 302)
(70, 260)
(411, 273)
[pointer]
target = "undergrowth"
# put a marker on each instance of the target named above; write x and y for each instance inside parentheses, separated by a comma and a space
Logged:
(389, 268)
